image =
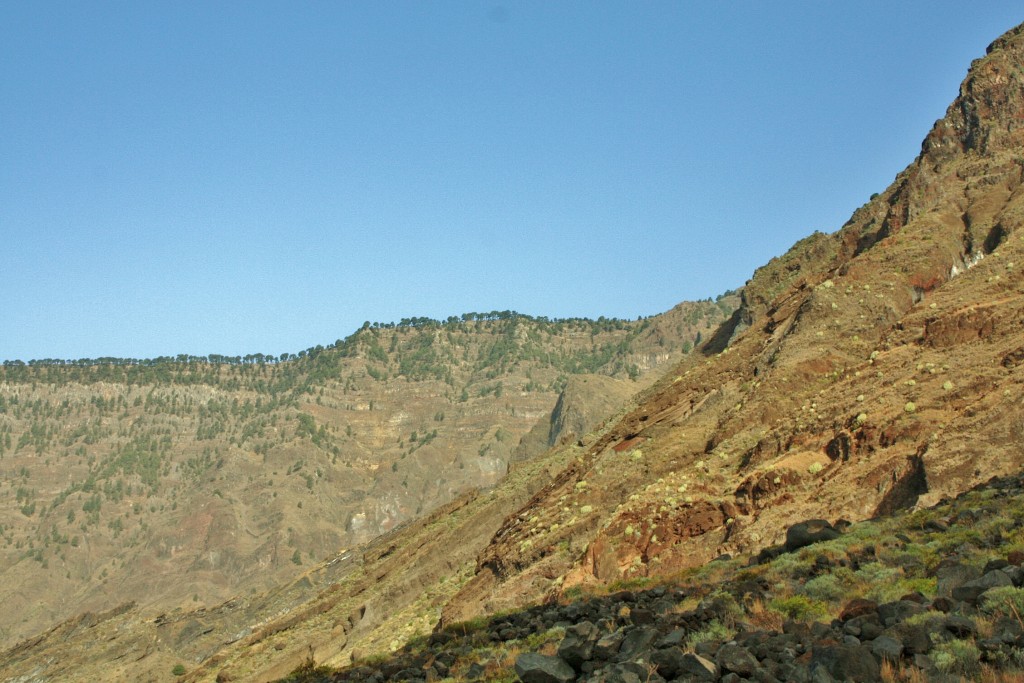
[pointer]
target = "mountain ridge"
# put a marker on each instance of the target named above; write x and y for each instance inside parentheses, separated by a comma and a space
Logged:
(178, 482)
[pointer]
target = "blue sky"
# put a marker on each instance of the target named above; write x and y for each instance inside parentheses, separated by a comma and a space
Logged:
(254, 177)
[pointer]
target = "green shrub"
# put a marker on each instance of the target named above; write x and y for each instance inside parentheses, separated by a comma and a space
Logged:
(178, 670)
(724, 605)
(1007, 601)
(882, 583)
(923, 585)
(630, 584)
(799, 607)
(826, 588)
(573, 593)
(956, 657)
(714, 631)
(930, 619)
(536, 640)
(788, 564)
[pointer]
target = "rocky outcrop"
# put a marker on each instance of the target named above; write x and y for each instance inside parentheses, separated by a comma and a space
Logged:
(585, 401)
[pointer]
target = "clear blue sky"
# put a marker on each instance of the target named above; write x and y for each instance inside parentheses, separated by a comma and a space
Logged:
(243, 177)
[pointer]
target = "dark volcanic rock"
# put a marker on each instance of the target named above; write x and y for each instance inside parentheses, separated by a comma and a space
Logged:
(735, 659)
(886, 647)
(578, 644)
(858, 607)
(846, 662)
(971, 590)
(894, 612)
(537, 668)
(636, 642)
(953, 575)
(812, 531)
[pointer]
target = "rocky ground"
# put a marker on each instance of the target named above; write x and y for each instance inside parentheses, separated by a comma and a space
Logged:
(936, 594)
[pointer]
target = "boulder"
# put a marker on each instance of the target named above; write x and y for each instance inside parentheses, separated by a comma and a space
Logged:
(895, 612)
(672, 662)
(959, 626)
(532, 667)
(970, 591)
(887, 648)
(608, 645)
(805, 533)
(867, 627)
(846, 662)
(637, 642)
(697, 668)
(953, 575)
(916, 639)
(858, 607)
(578, 644)
(735, 659)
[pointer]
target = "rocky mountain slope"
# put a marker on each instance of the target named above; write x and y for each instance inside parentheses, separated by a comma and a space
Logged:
(866, 372)
(931, 595)
(878, 368)
(183, 482)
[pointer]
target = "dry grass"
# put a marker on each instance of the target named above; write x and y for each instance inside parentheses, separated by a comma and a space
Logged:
(504, 663)
(762, 617)
(989, 675)
(899, 673)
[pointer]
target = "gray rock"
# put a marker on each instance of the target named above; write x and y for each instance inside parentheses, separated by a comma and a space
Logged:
(793, 673)
(970, 591)
(698, 668)
(821, 675)
(953, 576)
(845, 662)
(629, 672)
(916, 639)
(673, 662)
(886, 647)
(1015, 573)
(537, 668)
(637, 642)
(642, 617)
(896, 612)
(641, 670)
(674, 638)
(959, 626)
(735, 659)
(578, 644)
(607, 646)
(867, 627)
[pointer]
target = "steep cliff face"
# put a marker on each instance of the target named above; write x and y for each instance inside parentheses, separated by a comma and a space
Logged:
(865, 371)
(585, 401)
